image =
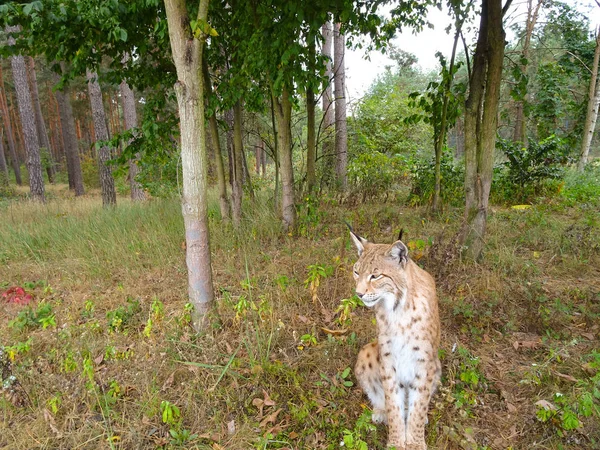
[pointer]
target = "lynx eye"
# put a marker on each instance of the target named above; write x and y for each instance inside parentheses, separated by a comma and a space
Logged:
(375, 277)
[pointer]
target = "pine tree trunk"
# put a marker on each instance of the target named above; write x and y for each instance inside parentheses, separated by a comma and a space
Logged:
(107, 182)
(187, 56)
(236, 163)
(45, 148)
(3, 166)
(283, 116)
(130, 116)
(327, 150)
(341, 132)
(592, 108)
(10, 138)
(481, 123)
(214, 138)
(70, 142)
(30, 136)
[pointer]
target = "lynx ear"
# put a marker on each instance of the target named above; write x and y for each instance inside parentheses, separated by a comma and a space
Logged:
(399, 252)
(359, 242)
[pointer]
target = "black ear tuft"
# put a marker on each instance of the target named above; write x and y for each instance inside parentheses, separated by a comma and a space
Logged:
(399, 252)
(400, 234)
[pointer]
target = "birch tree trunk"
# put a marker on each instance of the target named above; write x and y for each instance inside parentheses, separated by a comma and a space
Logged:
(30, 136)
(10, 137)
(130, 116)
(341, 132)
(39, 120)
(107, 182)
(283, 117)
(481, 123)
(187, 55)
(592, 109)
(327, 149)
(70, 143)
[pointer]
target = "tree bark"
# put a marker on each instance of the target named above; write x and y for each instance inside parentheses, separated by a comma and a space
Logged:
(30, 136)
(592, 108)
(236, 164)
(42, 131)
(107, 182)
(214, 138)
(341, 132)
(130, 116)
(481, 122)
(187, 55)
(10, 137)
(520, 132)
(3, 166)
(70, 142)
(311, 141)
(327, 148)
(283, 117)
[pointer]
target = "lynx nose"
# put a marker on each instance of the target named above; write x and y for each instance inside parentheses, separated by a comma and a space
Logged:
(359, 295)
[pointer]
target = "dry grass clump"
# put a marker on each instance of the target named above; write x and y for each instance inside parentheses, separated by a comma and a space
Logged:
(105, 357)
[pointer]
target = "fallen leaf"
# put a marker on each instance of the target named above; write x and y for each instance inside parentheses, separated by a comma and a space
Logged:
(566, 377)
(511, 408)
(271, 418)
(168, 382)
(546, 405)
(51, 423)
(293, 435)
(521, 207)
(231, 427)
(527, 344)
(303, 319)
(589, 336)
(98, 359)
(334, 332)
(216, 446)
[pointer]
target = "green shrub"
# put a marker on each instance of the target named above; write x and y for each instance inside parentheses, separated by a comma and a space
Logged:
(423, 181)
(582, 188)
(89, 171)
(374, 173)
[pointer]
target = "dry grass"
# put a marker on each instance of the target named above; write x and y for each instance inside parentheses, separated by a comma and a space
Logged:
(90, 381)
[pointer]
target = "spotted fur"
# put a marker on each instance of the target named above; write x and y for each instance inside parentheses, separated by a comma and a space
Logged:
(399, 372)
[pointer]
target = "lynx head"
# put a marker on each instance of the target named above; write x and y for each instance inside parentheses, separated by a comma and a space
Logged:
(380, 272)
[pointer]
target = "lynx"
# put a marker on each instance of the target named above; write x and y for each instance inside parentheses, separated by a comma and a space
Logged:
(400, 372)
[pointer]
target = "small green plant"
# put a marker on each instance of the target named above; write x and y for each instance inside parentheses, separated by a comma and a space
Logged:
(355, 438)
(346, 308)
(171, 416)
(88, 309)
(316, 273)
(29, 318)
(119, 318)
(20, 348)
(308, 339)
(54, 402)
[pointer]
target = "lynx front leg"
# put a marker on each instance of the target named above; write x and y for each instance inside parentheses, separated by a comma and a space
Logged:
(419, 394)
(367, 371)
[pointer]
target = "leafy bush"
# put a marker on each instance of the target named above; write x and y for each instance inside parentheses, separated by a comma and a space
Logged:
(529, 172)
(423, 181)
(583, 188)
(89, 171)
(374, 173)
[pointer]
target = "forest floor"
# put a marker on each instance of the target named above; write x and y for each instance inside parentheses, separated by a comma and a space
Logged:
(103, 355)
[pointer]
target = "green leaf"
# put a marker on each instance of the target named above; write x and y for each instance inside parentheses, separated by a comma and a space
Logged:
(123, 35)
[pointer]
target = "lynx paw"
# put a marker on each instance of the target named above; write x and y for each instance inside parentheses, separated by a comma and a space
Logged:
(379, 416)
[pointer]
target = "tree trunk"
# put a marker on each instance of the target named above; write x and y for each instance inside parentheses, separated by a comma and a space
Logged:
(214, 138)
(236, 164)
(283, 116)
(3, 166)
(30, 136)
(187, 55)
(311, 141)
(592, 108)
(10, 138)
(481, 122)
(520, 132)
(130, 115)
(70, 142)
(327, 149)
(45, 148)
(107, 182)
(275, 153)
(341, 132)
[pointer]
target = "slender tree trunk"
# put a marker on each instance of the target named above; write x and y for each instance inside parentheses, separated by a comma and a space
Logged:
(70, 142)
(45, 148)
(10, 138)
(341, 132)
(592, 108)
(283, 116)
(275, 153)
(481, 122)
(30, 136)
(311, 140)
(520, 132)
(327, 149)
(107, 182)
(214, 138)
(247, 179)
(3, 166)
(187, 55)
(258, 158)
(130, 115)
(236, 162)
